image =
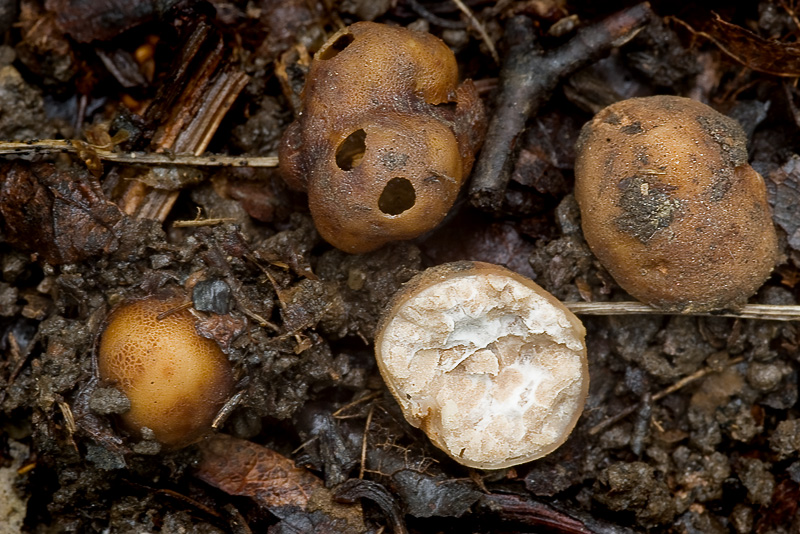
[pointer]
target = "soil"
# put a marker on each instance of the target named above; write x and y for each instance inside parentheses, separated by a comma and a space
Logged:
(312, 441)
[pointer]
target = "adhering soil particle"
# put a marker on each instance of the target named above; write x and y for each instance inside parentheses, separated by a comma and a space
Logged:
(647, 207)
(635, 487)
(786, 439)
(758, 480)
(23, 114)
(12, 504)
(106, 401)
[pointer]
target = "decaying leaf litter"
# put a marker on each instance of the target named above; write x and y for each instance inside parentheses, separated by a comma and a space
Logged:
(691, 422)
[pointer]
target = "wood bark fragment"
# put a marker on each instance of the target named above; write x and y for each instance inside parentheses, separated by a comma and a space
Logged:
(184, 117)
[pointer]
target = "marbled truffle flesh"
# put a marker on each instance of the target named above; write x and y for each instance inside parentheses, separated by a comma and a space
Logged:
(491, 366)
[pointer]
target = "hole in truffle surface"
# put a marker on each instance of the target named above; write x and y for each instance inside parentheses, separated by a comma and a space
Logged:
(337, 46)
(351, 150)
(397, 197)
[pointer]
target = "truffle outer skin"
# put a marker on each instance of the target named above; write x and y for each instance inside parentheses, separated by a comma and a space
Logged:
(472, 351)
(401, 87)
(670, 205)
(176, 380)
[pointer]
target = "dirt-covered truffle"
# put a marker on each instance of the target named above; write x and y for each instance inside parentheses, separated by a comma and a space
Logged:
(386, 137)
(491, 366)
(175, 379)
(670, 205)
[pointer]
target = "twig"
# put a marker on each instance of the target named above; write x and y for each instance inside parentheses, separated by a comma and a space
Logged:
(436, 20)
(338, 413)
(21, 357)
(183, 498)
(201, 222)
(227, 409)
(527, 80)
(364, 441)
(481, 30)
(770, 312)
(179, 308)
(50, 146)
(660, 395)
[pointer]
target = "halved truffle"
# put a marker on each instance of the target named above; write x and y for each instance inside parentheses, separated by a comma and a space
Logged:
(491, 366)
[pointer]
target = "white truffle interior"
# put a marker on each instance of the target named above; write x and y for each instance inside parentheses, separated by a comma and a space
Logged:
(493, 371)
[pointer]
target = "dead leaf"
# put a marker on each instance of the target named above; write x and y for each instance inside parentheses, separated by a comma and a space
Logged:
(240, 467)
(60, 214)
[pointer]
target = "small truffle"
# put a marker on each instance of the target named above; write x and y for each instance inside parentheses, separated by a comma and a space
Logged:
(386, 137)
(491, 366)
(670, 205)
(175, 379)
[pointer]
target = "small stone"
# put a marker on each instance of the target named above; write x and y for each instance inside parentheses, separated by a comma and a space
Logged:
(103, 458)
(212, 296)
(794, 472)
(742, 518)
(147, 448)
(159, 261)
(8, 300)
(617, 437)
(764, 377)
(13, 264)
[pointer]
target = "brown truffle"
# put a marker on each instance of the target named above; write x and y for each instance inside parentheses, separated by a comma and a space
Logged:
(386, 137)
(491, 366)
(671, 207)
(175, 379)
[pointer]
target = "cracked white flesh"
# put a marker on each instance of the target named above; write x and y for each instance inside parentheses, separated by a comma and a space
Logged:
(489, 365)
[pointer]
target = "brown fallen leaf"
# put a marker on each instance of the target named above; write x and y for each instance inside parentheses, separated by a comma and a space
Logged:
(60, 214)
(293, 494)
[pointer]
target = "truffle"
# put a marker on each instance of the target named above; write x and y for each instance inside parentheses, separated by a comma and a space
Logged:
(386, 137)
(670, 205)
(175, 379)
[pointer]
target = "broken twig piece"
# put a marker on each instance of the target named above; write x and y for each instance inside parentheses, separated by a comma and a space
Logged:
(772, 312)
(527, 80)
(697, 375)
(54, 146)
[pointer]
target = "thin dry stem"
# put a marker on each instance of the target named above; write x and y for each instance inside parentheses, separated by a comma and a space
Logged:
(338, 413)
(481, 30)
(49, 146)
(364, 441)
(697, 375)
(771, 312)
(201, 222)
